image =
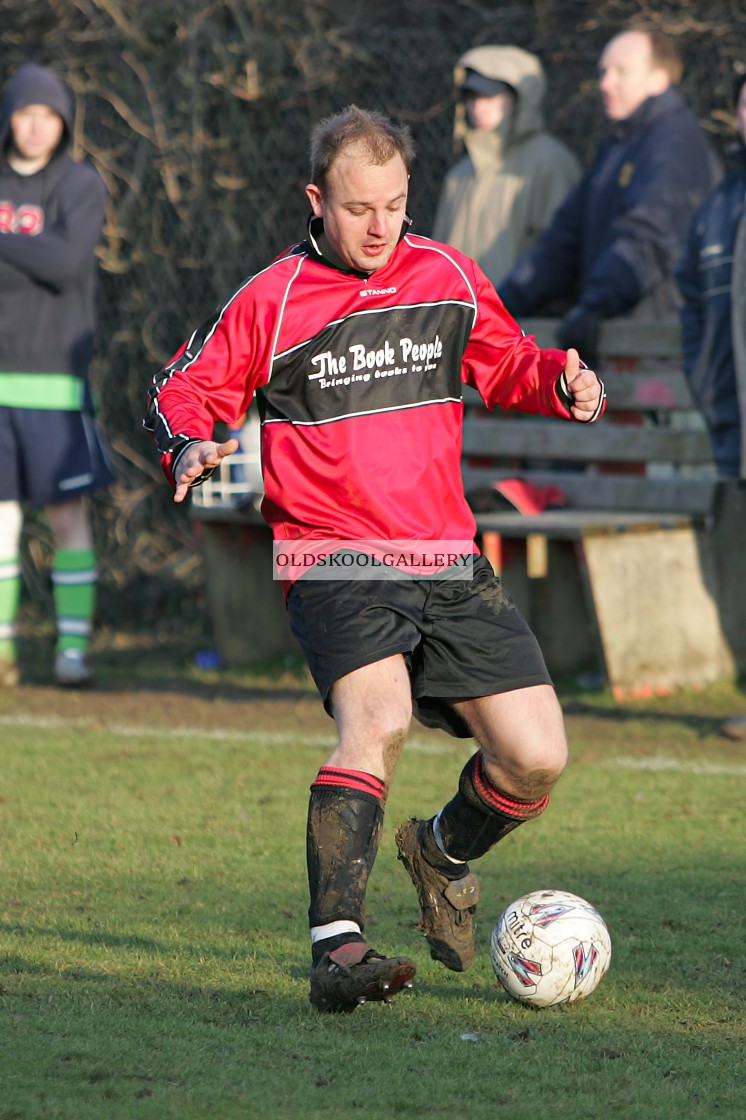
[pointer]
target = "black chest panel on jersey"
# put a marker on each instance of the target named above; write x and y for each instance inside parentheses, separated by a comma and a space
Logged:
(372, 361)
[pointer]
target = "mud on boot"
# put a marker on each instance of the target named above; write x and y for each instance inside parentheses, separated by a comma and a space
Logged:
(354, 974)
(447, 906)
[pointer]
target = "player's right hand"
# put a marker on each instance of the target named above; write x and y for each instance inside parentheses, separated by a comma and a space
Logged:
(585, 387)
(196, 459)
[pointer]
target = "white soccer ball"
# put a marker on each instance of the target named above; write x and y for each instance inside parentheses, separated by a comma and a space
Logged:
(550, 947)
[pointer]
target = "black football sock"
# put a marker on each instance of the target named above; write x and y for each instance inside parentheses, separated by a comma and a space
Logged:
(480, 814)
(345, 818)
(436, 857)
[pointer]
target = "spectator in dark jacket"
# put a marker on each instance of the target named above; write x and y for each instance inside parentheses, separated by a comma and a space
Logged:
(712, 279)
(52, 210)
(619, 233)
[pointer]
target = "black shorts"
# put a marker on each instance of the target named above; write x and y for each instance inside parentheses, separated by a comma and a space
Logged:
(460, 638)
(49, 456)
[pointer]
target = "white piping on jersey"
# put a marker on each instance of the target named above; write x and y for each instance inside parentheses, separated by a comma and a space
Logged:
(280, 317)
(375, 311)
(367, 412)
(174, 366)
(432, 247)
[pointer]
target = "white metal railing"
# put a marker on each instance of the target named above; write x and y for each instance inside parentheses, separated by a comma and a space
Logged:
(236, 482)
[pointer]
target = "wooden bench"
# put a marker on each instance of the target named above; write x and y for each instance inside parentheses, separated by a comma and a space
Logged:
(628, 569)
(633, 577)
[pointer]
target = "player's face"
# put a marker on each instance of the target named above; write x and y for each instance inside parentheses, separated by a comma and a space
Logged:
(363, 207)
(36, 132)
(627, 76)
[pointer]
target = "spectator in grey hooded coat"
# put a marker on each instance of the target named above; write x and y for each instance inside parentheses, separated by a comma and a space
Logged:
(504, 190)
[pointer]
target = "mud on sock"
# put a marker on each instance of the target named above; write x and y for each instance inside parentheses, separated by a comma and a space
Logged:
(480, 815)
(345, 819)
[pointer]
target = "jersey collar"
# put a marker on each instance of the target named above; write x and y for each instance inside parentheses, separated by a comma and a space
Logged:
(320, 248)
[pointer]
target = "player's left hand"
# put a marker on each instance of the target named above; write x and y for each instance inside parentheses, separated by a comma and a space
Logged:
(585, 387)
(198, 457)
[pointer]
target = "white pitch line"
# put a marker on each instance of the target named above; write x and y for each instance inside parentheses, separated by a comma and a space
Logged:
(212, 734)
(135, 731)
(660, 762)
(420, 744)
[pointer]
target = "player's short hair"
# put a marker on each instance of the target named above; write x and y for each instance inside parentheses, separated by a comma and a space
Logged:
(378, 134)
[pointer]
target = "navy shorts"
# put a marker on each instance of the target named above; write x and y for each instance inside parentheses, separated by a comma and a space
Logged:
(49, 456)
(461, 638)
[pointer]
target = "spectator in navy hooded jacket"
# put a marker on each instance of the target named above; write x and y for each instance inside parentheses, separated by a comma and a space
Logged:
(51, 216)
(618, 235)
(712, 279)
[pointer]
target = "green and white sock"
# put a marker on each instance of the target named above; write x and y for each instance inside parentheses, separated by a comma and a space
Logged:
(74, 579)
(10, 593)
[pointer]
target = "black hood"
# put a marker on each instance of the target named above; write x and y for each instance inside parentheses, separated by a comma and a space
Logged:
(35, 85)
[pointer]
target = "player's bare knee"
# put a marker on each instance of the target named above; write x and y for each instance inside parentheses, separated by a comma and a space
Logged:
(532, 769)
(538, 783)
(555, 759)
(544, 765)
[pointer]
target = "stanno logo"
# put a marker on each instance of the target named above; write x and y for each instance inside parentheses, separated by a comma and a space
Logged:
(377, 292)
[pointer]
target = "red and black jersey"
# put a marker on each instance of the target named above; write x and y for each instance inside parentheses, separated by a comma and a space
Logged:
(358, 381)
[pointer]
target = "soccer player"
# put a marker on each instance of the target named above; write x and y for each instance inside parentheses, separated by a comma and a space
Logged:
(51, 214)
(357, 342)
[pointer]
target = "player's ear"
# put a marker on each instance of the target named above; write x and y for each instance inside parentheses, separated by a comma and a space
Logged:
(315, 197)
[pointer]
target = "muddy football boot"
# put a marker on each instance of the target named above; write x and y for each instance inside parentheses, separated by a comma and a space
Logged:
(447, 905)
(355, 973)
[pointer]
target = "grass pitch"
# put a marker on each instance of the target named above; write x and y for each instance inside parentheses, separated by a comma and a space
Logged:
(153, 943)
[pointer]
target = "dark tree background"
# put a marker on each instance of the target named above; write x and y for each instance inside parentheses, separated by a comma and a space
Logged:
(197, 115)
